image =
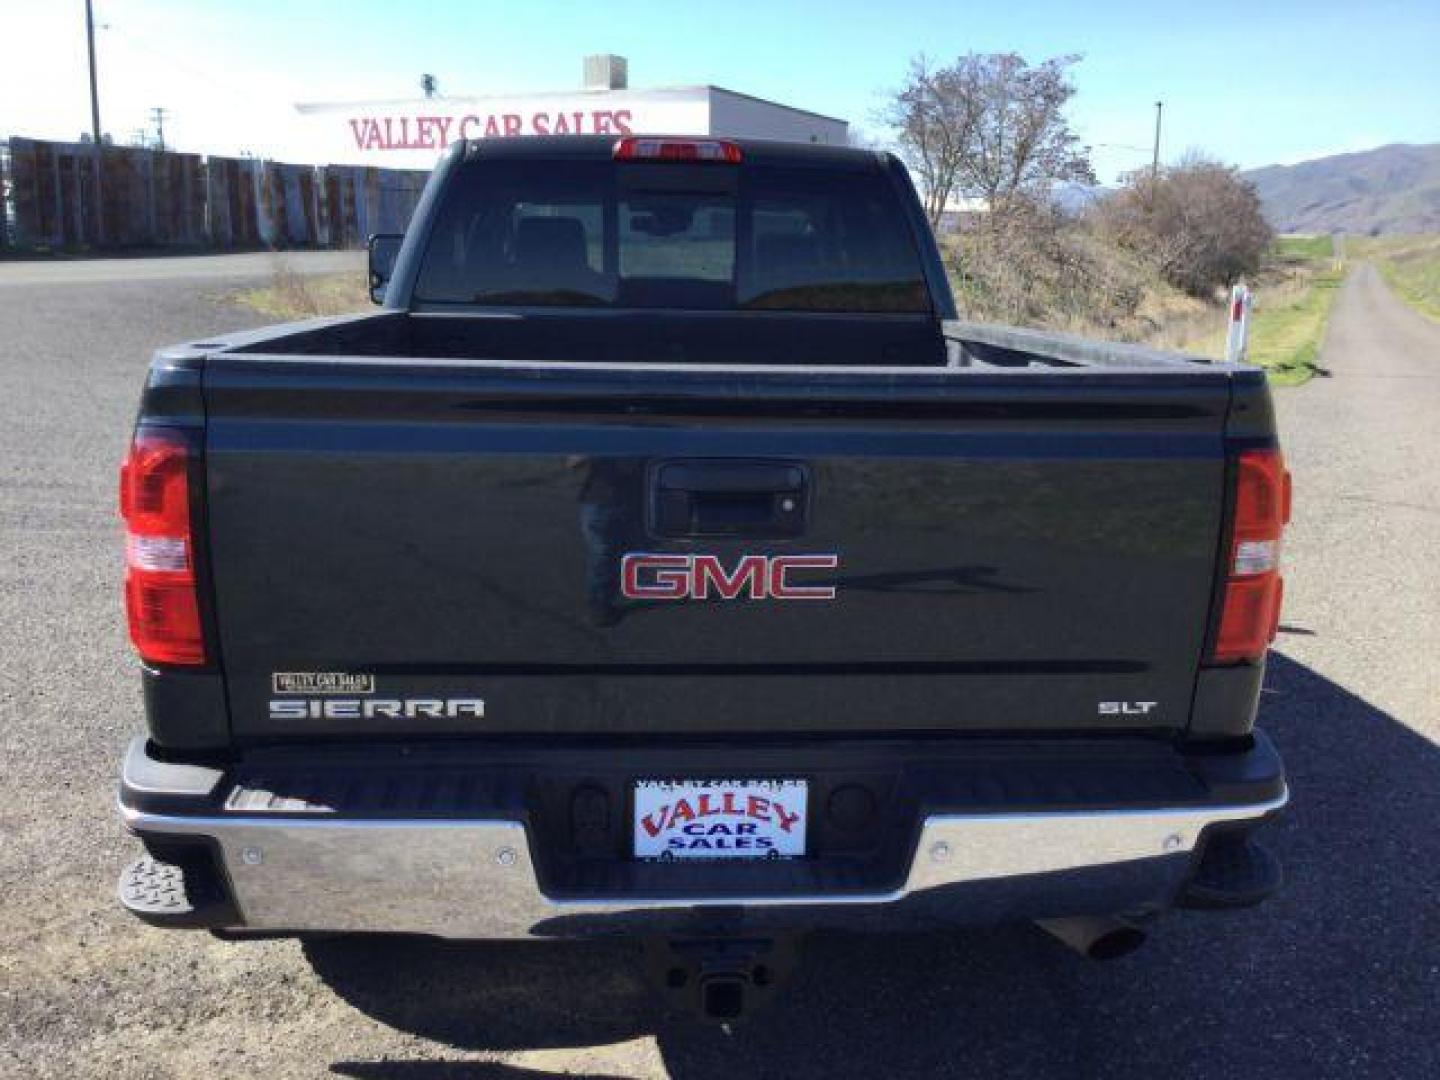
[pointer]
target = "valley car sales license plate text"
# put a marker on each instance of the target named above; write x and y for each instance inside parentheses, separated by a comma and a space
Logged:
(719, 819)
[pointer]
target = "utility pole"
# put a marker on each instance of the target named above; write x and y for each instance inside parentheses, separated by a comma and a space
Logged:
(1155, 160)
(94, 91)
(158, 115)
(99, 154)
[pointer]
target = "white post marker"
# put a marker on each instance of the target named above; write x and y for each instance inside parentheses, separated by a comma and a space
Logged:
(1238, 337)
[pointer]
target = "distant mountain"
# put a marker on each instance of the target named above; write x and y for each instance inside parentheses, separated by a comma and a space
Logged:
(1391, 189)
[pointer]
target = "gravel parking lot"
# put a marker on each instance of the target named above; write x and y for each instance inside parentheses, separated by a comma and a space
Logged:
(1339, 976)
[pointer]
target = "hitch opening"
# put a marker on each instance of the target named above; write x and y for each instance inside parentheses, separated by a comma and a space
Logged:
(720, 979)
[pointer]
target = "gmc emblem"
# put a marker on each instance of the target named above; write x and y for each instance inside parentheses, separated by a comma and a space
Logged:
(699, 577)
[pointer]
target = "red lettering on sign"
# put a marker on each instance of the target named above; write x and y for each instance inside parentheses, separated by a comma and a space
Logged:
(784, 817)
(435, 131)
(653, 826)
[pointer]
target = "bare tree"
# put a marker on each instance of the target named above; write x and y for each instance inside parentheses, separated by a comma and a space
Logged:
(988, 125)
(1024, 144)
(936, 118)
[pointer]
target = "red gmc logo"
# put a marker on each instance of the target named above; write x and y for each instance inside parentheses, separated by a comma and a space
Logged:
(699, 577)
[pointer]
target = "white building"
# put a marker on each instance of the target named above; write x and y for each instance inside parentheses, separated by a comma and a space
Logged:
(412, 133)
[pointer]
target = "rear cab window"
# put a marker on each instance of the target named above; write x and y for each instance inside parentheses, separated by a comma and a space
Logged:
(595, 233)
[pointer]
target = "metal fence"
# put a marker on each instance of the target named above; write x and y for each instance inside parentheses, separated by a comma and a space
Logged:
(73, 196)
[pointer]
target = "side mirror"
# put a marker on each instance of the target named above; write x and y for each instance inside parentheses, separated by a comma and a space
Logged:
(384, 249)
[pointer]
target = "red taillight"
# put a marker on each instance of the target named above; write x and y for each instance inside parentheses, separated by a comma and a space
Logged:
(1250, 609)
(640, 148)
(160, 592)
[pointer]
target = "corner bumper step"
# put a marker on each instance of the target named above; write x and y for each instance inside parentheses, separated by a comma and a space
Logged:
(176, 896)
(1234, 872)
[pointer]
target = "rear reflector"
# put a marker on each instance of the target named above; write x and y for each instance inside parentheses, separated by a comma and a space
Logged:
(1250, 609)
(683, 150)
(161, 603)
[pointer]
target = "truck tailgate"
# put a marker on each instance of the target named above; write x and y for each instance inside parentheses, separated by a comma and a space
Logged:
(1013, 550)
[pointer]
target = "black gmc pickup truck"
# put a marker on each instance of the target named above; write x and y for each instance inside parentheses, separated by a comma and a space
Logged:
(665, 558)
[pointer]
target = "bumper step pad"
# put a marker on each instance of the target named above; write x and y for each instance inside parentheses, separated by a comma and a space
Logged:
(174, 895)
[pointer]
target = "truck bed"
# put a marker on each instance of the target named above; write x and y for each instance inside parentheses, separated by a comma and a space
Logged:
(684, 338)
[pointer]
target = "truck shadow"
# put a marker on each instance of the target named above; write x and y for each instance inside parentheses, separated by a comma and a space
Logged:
(1339, 974)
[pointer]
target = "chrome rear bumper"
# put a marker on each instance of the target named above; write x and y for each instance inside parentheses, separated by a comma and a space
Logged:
(476, 878)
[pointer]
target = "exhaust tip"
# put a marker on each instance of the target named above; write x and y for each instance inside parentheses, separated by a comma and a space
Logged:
(1121, 941)
(1095, 937)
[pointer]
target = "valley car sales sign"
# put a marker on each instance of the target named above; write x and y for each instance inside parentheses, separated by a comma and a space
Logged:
(413, 134)
(719, 819)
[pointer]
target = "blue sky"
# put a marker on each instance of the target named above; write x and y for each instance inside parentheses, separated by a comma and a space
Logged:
(1253, 83)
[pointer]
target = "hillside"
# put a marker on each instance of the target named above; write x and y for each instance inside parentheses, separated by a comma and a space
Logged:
(1391, 189)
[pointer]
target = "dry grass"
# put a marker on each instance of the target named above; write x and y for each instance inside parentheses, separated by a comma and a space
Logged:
(289, 295)
(1050, 274)
(1293, 296)
(1057, 275)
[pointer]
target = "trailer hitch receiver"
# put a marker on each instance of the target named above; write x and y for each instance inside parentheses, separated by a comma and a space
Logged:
(720, 979)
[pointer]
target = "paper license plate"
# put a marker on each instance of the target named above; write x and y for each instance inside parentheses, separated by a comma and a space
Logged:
(720, 819)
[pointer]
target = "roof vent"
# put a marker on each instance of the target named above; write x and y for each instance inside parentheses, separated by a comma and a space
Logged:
(606, 71)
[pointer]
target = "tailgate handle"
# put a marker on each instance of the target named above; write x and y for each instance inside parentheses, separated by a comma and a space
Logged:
(731, 498)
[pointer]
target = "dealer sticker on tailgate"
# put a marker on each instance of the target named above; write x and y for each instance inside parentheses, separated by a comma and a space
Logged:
(720, 819)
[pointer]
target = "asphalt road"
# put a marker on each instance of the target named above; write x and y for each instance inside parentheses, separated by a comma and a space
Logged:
(187, 268)
(1338, 976)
